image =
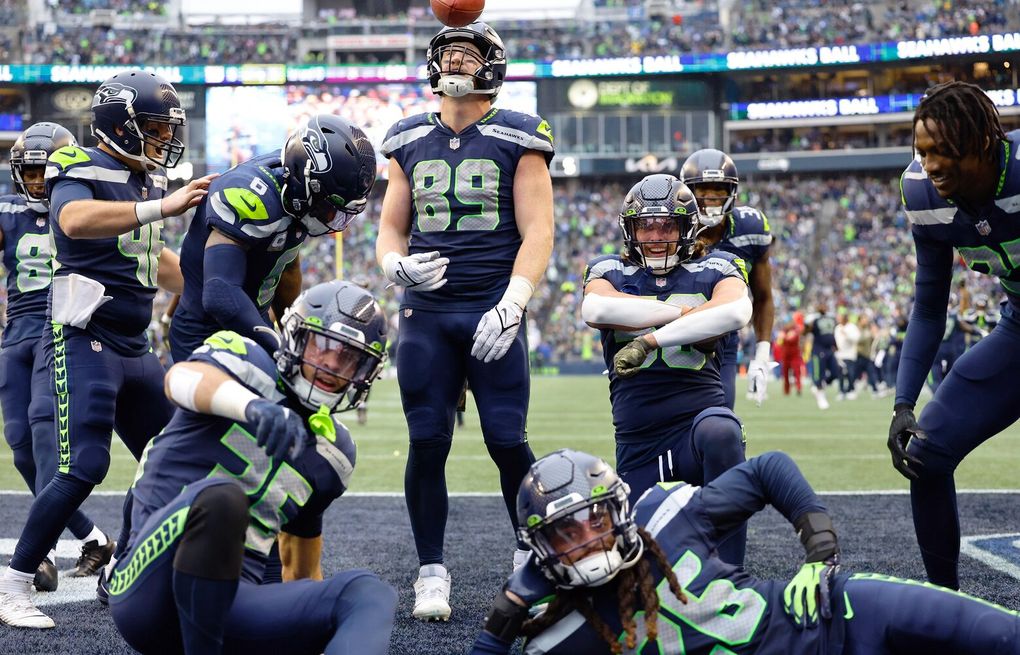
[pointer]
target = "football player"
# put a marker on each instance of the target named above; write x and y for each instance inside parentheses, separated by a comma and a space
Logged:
(821, 330)
(247, 232)
(655, 307)
(744, 231)
(28, 408)
(257, 450)
(467, 230)
(625, 578)
(106, 205)
(960, 192)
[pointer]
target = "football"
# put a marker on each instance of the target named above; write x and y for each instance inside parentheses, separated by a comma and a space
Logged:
(457, 13)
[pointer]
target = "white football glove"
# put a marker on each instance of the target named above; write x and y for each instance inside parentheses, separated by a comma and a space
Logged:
(422, 271)
(496, 331)
(758, 372)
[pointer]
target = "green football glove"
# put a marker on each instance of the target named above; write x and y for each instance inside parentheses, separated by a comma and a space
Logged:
(807, 594)
(629, 359)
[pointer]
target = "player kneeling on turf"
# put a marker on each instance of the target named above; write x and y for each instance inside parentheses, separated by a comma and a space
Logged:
(622, 579)
(256, 450)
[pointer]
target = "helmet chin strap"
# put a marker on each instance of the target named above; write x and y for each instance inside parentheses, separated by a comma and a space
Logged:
(660, 265)
(597, 569)
(456, 86)
(711, 216)
(311, 395)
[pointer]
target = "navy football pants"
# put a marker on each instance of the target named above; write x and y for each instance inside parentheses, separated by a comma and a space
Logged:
(825, 368)
(976, 401)
(433, 360)
(27, 402)
(96, 391)
(349, 613)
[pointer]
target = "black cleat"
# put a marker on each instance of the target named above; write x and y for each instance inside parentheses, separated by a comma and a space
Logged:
(93, 557)
(103, 588)
(45, 576)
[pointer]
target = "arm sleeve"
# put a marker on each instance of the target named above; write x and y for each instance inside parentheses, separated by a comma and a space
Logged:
(928, 318)
(769, 479)
(65, 191)
(223, 295)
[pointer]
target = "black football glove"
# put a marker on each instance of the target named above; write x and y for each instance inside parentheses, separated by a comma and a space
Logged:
(903, 427)
(277, 429)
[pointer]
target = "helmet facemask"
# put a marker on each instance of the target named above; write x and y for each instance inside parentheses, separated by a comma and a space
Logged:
(326, 365)
(715, 198)
(467, 60)
(660, 255)
(585, 542)
(30, 161)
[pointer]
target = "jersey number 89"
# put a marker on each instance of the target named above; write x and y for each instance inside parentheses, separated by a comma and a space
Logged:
(474, 182)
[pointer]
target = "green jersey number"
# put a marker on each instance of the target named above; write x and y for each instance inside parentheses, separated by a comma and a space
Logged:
(722, 612)
(1001, 262)
(34, 256)
(685, 356)
(269, 498)
(474, 182)
(144, 246)
(268, 289)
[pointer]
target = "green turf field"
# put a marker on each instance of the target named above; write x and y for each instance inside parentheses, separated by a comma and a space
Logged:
(842, 448)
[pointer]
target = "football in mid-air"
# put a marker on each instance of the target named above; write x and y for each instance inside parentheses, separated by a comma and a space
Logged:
(457, 13)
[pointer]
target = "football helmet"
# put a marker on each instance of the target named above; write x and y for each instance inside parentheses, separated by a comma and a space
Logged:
(32, 149)
(485, 79)
(573, 511)
(711, 167)
(330, 171)
(132, 101)
(660, 202)
(333, 346)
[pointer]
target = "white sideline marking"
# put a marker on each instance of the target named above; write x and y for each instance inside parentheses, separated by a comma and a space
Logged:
(69, 590)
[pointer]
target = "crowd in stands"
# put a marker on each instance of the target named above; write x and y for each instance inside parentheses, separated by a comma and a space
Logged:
(783, 140)
(754, 25)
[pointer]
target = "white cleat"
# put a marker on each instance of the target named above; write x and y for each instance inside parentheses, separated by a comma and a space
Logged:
(521, 558)
(432, 594)
(17, 610)
(820, 398)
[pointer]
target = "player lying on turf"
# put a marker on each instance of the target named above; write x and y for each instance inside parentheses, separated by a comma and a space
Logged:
(256, 450)
(649, 581)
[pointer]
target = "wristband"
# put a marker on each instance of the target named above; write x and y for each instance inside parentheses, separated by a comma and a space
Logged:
(149, 211)
(763, 351)
(519, 291)
(230, 400)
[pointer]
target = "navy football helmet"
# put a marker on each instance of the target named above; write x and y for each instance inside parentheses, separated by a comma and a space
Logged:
(451, 43)
(334, 334)
(711, 167)
(664, 203)
(330, 171)
(31, 150)
(145, 108)
(573, 511)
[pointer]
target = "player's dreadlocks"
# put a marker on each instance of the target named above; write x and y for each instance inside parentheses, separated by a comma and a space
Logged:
(966, 116)
(634, 580)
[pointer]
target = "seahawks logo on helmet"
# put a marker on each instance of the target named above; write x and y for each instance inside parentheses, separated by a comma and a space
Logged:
(115, 92)
(318, 151)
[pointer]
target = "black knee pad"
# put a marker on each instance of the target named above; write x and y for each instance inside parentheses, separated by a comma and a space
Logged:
(212, 545)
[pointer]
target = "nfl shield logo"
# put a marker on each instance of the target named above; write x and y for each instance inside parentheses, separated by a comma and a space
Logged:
(660, 281)
(983, 228)
(39, 222)
(97, 347)
(454, 143)
(145, 193)
(408, 312)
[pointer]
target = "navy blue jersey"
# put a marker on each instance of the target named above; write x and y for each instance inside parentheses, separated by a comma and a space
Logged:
(987, 237)
(27, 259)
(823, 333)
(126, 265)
(728, 610)
(747, 236)
(679, 381)
(462, 200)
(244, 204)
(287, 494)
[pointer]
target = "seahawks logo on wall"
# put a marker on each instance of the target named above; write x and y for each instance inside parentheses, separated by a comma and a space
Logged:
(115, 92)
(317, 149)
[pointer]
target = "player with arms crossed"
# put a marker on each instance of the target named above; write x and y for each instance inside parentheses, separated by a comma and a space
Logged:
(240, 256)
(28, 408)
(961, 193)
(669, 407)
(467, 230)
(106, 205)
(648, 580)
(257, 450)
(744, 231)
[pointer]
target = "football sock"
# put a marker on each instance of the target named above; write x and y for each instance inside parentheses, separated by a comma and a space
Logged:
(97, 535)
(937, 523)
(427, 501)
(47, 518)
(125, 524)
(513, 464)
(202, 605)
